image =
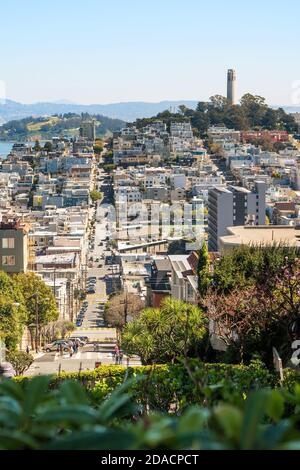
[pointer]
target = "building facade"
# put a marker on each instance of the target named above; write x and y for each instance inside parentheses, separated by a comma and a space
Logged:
(234, 206)
(14, 247)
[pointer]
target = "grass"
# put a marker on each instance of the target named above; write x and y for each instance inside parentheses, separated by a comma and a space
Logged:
(38, 126)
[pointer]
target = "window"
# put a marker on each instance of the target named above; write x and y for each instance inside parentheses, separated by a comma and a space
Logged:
(8, 261)
(8, 243)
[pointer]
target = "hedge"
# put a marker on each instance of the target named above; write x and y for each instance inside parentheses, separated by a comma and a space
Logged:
(173, 386)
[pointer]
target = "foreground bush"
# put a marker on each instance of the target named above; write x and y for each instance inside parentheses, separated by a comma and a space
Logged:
(173, 386)
(63, 419)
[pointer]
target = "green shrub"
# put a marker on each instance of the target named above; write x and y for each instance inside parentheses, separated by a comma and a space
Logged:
(172, 386)
(33, 418)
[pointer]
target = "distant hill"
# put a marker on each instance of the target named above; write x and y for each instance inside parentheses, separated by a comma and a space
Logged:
(128, 112)
(58, 125)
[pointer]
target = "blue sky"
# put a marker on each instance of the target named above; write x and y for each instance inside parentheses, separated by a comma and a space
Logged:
(97, 51)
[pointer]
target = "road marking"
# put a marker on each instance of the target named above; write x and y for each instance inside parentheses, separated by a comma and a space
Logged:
(84, 356)
(93, 328)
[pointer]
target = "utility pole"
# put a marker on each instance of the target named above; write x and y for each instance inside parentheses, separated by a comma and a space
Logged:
(125, 304)
(36, 324)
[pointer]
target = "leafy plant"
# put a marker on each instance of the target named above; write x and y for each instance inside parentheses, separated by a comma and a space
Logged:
(164, 334)
(20, 360)
(64, 419)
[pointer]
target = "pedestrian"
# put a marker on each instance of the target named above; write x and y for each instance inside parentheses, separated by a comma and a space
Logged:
(117, 352)
(27, 349)
(71, 351)
(121, 358)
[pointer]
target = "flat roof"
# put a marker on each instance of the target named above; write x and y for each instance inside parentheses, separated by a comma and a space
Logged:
(264, 234)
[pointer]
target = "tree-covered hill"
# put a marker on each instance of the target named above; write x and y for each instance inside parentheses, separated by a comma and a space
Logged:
(252, 113)
(57, 125)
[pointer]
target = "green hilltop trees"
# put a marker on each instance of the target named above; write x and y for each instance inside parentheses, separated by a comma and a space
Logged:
(252, 113)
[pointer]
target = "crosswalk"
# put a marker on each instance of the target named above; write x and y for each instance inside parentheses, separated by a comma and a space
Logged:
(83, 355)
(86, 356)
(95, 328)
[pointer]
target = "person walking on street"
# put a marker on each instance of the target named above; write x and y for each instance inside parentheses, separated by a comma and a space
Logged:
(117, 358)
(27, 349)
(120, 357)
(71, 351)
(117, 354)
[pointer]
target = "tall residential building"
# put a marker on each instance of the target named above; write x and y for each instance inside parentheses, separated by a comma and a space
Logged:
(232, 87)
(14, 247)
(234, 206)
(88, 130)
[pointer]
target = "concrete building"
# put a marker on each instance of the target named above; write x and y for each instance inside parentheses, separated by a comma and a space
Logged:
(14, 247)
(183, 279)
(88, 130)
(232, 87)
(234, 206)
(158, 285)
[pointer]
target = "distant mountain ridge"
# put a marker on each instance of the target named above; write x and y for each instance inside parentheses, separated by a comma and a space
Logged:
(128, 112)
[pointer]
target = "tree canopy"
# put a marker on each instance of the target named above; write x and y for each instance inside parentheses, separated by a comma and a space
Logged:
(35, 290)
(252, 112)
(13, 313)
(164, 334)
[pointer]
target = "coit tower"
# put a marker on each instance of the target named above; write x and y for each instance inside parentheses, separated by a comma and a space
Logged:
(231, 87)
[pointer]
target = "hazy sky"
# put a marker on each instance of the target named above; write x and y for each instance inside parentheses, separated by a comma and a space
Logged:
(101, 51)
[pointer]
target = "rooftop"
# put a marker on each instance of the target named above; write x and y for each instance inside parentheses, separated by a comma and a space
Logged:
(261, 235)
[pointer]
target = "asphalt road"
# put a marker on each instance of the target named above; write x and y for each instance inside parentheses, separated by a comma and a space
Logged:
(102, 340)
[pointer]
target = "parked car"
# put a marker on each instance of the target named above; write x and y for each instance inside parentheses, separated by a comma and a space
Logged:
(83, 338)
(80, 341)
(55, 345)
(78, 322)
